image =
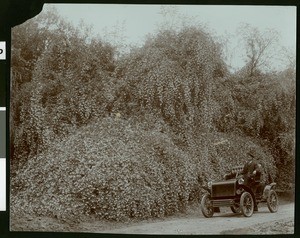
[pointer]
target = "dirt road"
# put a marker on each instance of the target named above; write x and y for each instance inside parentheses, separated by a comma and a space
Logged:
(221, 223)
(193, 222)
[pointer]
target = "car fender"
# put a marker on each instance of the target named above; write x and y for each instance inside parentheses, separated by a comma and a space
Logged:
(267, 189)
(249, 190)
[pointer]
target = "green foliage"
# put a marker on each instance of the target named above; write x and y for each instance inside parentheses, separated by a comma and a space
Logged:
(111, 169)
(69, 72)
(169, 75)
(115, 169)
(265, 109)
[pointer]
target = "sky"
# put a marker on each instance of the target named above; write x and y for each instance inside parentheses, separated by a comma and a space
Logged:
(130, 24)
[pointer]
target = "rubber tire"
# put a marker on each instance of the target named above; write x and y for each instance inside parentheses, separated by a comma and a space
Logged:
(206, 210)
(272, 201)
(246, 204)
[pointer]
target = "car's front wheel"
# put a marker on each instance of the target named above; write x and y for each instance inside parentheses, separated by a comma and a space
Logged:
(247, 204)
(206, 206)
(272, 201)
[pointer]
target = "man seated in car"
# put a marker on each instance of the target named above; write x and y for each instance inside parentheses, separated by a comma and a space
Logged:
(252, 172)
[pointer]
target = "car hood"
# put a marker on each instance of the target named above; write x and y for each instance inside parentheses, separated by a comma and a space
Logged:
(224, 188)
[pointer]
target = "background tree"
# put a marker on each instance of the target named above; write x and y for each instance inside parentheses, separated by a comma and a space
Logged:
(261, 48)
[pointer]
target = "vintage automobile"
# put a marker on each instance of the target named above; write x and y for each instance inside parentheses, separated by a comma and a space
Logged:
(235, 194)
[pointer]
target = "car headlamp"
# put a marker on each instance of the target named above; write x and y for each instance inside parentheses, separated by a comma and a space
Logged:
(209, 184)
(241, 181)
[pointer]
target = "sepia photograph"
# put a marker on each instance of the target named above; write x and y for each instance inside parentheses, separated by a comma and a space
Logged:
(153, 119)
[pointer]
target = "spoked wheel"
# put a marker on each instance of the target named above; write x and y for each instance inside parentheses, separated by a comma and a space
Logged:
(206, 206)
(235, 208)
(247, 204)
(272, 201)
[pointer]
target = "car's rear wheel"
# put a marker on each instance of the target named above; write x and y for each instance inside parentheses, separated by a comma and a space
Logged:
(206, 206)
(247, 204)
(235, 208)
(272, 201)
